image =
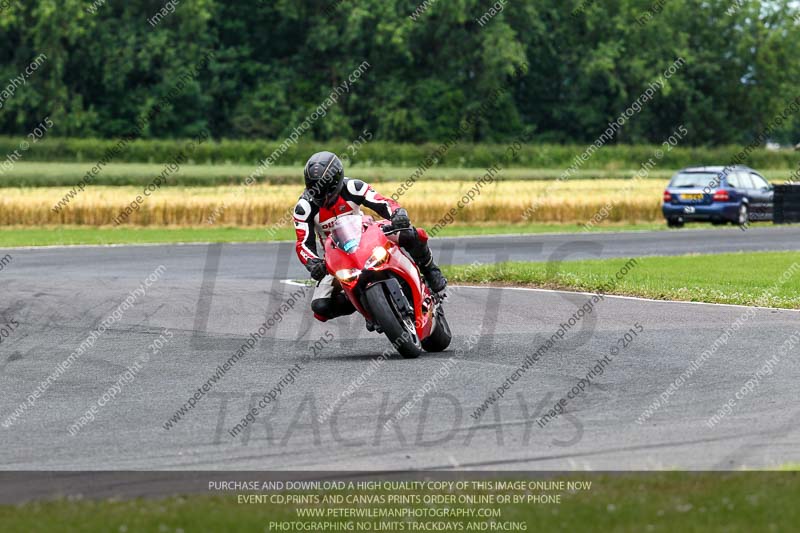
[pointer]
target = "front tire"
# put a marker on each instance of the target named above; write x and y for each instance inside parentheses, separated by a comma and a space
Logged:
(440, 337)
(398, 329)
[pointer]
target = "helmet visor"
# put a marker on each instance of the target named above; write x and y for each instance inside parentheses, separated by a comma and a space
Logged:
(325, 191)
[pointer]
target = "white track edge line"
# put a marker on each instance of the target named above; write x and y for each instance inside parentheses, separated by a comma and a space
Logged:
(617, 296)
(621, 297)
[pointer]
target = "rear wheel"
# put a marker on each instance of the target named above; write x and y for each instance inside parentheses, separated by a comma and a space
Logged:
(742, 218)
(675, 222)
(440, 337)
(398, 329)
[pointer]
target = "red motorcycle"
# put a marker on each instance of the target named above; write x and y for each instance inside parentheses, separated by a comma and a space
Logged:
(385, 285)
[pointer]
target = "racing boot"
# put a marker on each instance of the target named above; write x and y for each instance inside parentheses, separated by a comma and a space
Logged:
(415, 242)
(430, 270)
(327, 308)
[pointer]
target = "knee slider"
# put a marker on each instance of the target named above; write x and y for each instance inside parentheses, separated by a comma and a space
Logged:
(322, 307)
(342, 305)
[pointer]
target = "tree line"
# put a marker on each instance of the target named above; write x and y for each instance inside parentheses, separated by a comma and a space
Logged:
(275, 62)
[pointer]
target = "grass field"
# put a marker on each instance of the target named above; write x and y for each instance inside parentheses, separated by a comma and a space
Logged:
(462, 153)
(655, 502)
(66, 235)
(197, 192)
(740, 278)
(37, 174)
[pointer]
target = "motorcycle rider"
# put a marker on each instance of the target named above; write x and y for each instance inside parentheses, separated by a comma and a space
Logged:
(330, 194)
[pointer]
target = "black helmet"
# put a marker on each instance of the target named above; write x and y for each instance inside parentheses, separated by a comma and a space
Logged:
(324, 176)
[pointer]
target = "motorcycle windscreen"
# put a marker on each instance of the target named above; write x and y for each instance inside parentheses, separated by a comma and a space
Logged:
(346, 233)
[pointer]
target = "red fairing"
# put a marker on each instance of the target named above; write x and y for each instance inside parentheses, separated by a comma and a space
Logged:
(397, 263)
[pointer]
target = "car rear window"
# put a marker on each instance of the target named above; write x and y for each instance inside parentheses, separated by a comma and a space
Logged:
(695, 179)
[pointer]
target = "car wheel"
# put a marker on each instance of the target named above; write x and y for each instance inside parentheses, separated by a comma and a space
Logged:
(743, 215)
(675, 222)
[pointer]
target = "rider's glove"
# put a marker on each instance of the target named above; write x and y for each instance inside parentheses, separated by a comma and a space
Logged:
(400, 219)
(316, 268)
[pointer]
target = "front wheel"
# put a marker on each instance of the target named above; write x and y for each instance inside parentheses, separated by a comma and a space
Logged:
(399, 329)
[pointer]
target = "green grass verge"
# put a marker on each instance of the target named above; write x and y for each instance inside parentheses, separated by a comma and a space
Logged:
(376, 152)
(42, 174)
(738, 278)
(26, 174)
(64, 235)
(51, 236)
(657, 502)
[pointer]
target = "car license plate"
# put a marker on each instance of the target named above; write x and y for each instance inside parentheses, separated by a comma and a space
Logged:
(689, 209)
(695, 196)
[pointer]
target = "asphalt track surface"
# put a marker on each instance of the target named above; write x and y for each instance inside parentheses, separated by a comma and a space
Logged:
(211, 297)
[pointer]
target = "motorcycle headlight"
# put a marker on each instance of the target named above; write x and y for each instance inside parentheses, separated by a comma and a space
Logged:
(347, 275)
(378, 257)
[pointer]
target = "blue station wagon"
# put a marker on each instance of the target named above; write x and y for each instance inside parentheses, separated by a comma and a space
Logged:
(718, 195)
